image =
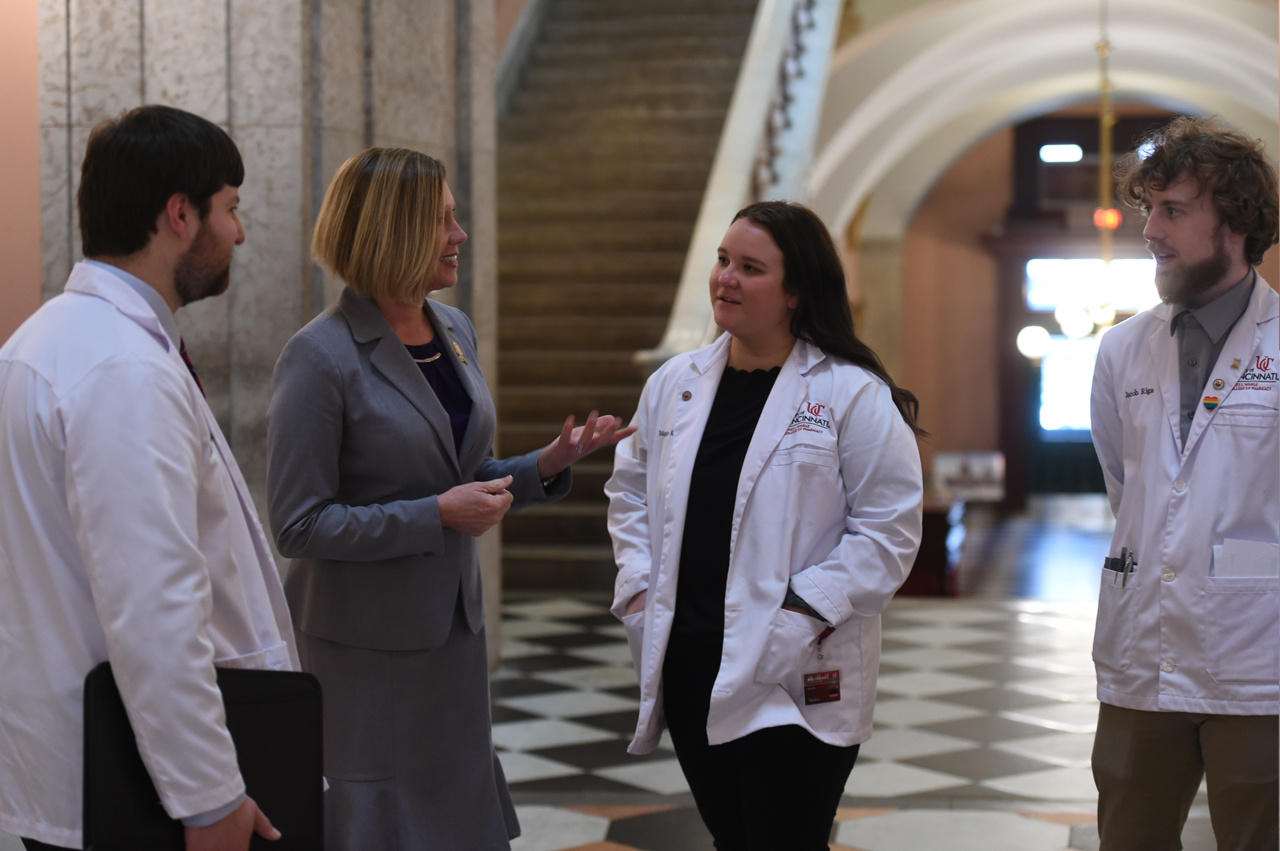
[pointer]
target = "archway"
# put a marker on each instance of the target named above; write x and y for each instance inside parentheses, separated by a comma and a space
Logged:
(907, 98)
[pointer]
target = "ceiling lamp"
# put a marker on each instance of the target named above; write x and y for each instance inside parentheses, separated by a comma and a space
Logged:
(1106, 218)
(1033, 341)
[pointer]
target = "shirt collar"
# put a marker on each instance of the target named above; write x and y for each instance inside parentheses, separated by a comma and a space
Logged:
(153, 299)
(1217, 317)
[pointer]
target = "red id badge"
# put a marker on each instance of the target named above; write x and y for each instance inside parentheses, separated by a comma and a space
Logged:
(821, 687)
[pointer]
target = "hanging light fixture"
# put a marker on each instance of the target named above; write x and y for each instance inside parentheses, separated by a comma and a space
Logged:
(1106, 218)
(1092, 312)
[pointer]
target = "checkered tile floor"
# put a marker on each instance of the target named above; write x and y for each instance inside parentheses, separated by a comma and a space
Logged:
(984, 725)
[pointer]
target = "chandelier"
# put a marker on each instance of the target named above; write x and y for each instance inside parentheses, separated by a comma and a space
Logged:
(1092, 312)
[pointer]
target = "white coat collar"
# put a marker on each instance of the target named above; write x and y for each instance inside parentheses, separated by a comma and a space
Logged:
(86, 279)
(1265, 304)
(1242, 342)
(712, 358)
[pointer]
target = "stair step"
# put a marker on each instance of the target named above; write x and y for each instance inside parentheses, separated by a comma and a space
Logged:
(614, 266)
(595, 204)
(559, 567)
(542, 368)
(588, 480)
(574, 299)
(643, 146)
(583, 522)
(589, 154)
(617, 8)
(620, 47)
(713, 70)
(605, 124)
(647, 24)
(632, 96)
(602, 161)
(517, 403)
(626, 235)
(570, 333)
(673, 177)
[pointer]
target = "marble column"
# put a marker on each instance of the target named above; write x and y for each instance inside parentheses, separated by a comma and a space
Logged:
(301, 85)
(880, 288)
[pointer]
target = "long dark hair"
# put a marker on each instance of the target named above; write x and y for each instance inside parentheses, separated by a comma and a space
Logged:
(813, 273)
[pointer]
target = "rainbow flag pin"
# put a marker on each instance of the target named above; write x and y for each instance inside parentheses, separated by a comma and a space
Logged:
(1210, 402)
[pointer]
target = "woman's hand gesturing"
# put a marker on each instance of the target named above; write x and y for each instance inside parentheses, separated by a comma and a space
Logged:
(574, 444)
(475, 508)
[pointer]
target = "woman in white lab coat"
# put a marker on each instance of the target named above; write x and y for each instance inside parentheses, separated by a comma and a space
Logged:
(763, 515)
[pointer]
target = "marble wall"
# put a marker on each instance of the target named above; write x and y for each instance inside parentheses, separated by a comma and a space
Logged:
(301, 85)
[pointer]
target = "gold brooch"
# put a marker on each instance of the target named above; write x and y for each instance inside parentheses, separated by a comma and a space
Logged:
(458, 349)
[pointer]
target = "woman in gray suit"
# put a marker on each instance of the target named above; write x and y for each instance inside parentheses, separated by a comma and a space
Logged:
(380, 476)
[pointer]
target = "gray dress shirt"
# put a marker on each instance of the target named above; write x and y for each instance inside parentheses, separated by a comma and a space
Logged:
(1202, 333)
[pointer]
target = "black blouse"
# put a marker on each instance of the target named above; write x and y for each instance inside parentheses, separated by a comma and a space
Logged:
(439, 372)
(713, 490)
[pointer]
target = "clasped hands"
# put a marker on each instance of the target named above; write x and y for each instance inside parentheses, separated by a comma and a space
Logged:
(476, 507)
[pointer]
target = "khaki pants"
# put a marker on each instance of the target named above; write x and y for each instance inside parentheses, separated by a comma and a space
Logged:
(1148, 766)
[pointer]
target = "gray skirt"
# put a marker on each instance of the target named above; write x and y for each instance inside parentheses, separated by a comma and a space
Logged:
(408, 749)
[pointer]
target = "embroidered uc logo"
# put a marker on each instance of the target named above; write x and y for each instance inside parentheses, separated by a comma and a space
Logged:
(815, 410)
(1264, 363)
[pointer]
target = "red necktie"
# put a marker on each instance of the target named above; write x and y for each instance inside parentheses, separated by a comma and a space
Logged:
(182, 350)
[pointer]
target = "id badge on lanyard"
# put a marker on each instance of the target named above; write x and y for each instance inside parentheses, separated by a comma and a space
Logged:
(821, 686)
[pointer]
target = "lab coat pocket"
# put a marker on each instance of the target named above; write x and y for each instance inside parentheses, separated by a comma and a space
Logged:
(634, 624)
(803, 453)
(1247, 416)
(1241, 618)
(1117, 621)
(791, 643)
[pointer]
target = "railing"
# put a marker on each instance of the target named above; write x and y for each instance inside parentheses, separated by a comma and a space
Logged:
(764, 152)
(515, 55)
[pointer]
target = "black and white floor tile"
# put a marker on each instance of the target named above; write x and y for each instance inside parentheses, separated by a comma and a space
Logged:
(984, 727)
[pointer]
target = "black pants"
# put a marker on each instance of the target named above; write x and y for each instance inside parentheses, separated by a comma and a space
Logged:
(32, 845)
(772, 789)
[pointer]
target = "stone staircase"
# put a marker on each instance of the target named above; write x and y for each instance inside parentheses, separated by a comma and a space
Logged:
(602, 161)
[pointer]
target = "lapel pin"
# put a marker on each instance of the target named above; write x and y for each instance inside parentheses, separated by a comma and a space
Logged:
(1235, 363)
(686, 395)
(458, 350)
(1218, 384)
(1210, 402)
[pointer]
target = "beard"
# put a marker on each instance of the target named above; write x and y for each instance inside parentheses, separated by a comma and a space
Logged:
(1181, 285)
(202, 270)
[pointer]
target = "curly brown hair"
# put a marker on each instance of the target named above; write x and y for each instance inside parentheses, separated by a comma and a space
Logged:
(1229, 165)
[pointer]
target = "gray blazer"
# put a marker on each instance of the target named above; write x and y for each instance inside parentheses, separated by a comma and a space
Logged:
(358, 450)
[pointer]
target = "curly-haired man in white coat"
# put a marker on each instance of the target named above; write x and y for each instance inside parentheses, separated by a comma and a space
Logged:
(1187, 646)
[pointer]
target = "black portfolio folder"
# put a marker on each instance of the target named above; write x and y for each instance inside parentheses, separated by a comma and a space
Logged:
(274, 719)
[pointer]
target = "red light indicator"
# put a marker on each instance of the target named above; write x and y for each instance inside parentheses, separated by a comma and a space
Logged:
(1109, 219)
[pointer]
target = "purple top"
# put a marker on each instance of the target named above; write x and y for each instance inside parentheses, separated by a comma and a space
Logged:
(439, 372)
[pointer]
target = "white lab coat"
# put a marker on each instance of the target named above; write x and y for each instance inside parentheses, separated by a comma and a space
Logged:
(829, 499)
(127, 535)
(1174, 636)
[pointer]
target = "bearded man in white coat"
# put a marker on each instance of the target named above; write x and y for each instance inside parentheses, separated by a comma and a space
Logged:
(128, 534)
(1187, 646)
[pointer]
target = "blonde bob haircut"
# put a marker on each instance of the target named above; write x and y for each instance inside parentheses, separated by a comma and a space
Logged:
(379, 223)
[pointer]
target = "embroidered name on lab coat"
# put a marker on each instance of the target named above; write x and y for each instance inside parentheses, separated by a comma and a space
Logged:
(1261, 376)
(811, 417)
